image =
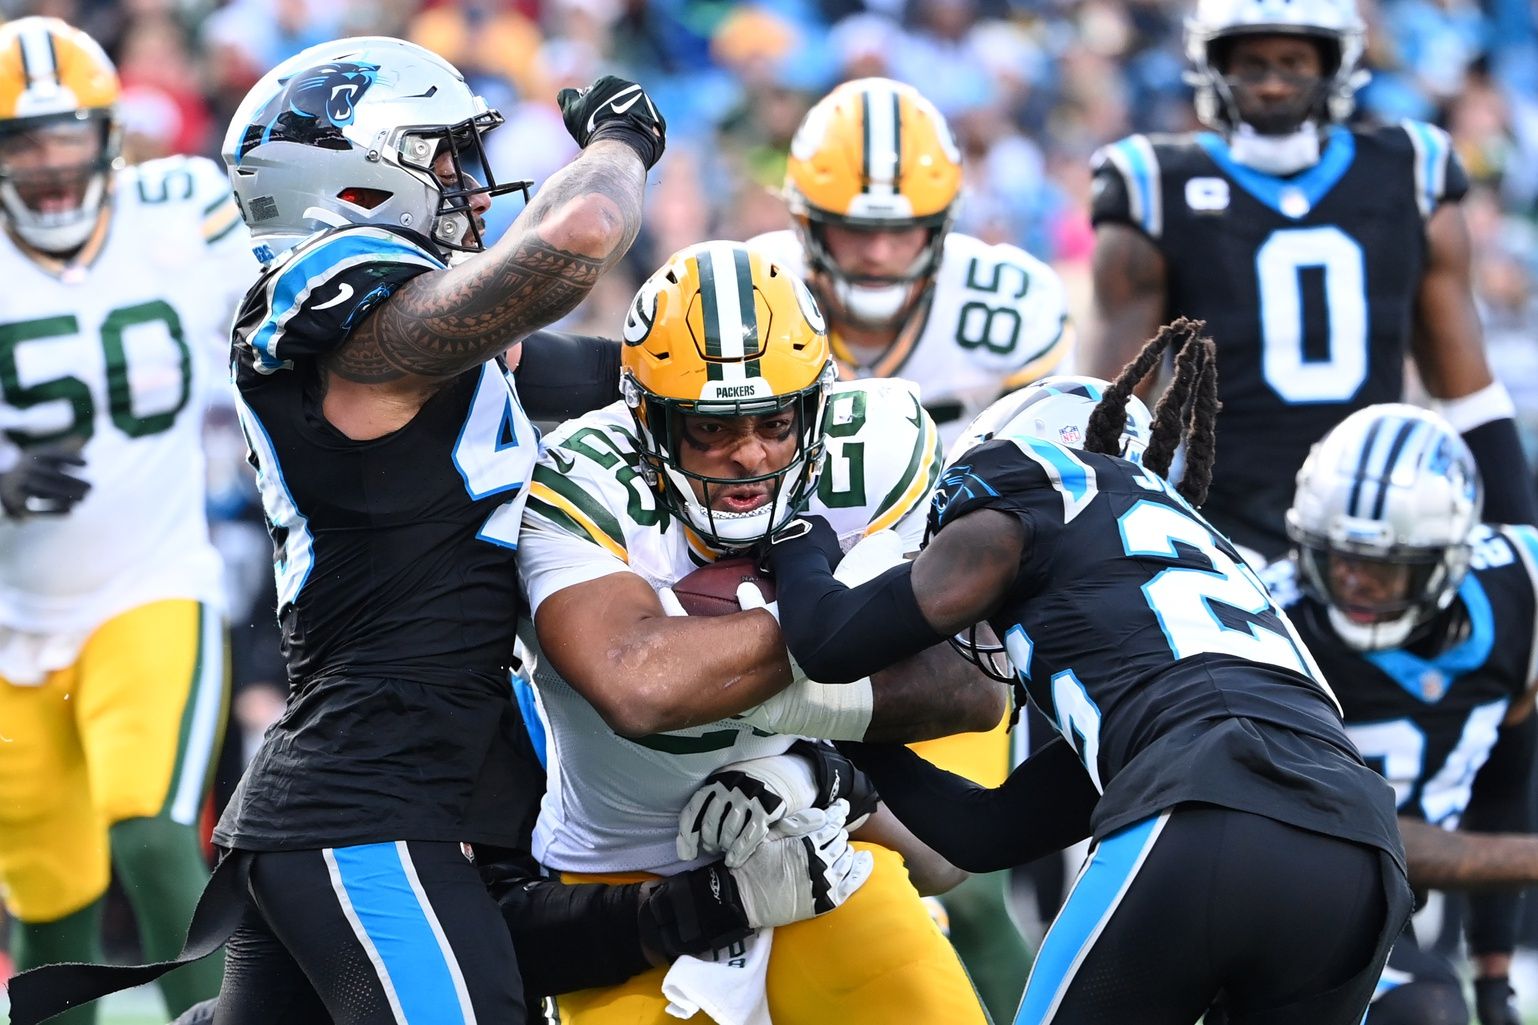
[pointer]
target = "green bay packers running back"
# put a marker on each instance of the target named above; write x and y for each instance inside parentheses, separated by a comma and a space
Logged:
(728, 412)
(120, 283)
(873, 182)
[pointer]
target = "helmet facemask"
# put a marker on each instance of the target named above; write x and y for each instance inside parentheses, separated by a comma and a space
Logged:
(31, 191)
(665, 434)
(872, 301)
(1379, 597)
(456, 226)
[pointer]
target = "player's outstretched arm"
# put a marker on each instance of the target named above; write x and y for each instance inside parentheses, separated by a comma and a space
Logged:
(580, 223)
(1129, 283)
(646, 672)
(1043, 806)
(933, 694)
(839, 634)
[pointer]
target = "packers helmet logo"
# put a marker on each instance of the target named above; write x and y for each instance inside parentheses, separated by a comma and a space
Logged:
(643, 311)
(809, 308)
(312, 107)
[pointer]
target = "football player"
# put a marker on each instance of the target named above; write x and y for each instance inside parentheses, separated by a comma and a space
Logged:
(391, 451)
(729, 422)
(874, 181)
(1319, 255)
(1424, 620)
(1243, 853)
(120, 283)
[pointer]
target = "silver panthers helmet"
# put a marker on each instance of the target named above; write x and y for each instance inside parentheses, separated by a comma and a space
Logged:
(1056, 409)
(1335, 23)
(348, 132)
(1393, 491)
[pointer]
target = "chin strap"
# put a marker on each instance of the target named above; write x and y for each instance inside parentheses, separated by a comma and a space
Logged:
(1276, 154)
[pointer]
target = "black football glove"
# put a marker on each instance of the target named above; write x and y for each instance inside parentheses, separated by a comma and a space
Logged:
(1495, 1002)
(612, 108)
(42, 483)
(803, 538)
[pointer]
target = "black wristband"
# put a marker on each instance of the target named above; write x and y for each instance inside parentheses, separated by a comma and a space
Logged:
(644, 141)
(693, 912)
(837, 777)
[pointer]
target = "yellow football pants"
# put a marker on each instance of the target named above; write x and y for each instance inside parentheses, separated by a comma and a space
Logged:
(876, 960)
(130, 730)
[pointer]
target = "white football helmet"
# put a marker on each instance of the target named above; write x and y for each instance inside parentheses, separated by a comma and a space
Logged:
(1335, 23)
(1393, 488)
(348, 132)
(1056, 409)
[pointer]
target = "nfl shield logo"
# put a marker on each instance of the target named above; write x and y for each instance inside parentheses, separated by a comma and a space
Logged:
(1070, 435)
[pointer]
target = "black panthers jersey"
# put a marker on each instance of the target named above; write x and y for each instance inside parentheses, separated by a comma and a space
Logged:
(1426, 715)
(397, 591)
(1137, 629)
(1307, 285)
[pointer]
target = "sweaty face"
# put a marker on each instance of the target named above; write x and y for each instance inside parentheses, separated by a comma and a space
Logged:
(736, 448)
(52, 164)
(1275, 80)
(1364, 588)
(874, 253)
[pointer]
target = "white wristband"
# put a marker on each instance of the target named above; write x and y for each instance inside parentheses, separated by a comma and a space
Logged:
(1490, 403)
(828, 711)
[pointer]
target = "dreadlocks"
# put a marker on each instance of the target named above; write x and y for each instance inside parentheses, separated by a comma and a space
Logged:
(1187, 412)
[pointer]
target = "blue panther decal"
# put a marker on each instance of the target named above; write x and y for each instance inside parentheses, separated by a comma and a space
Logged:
(312, 107)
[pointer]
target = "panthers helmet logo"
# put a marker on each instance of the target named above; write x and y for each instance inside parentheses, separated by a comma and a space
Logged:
(312, 107)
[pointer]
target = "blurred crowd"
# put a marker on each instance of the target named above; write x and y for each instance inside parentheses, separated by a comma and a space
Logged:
(1032, 87)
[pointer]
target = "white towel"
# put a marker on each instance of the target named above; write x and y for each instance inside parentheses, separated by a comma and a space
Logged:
(26, 659)
(730, 985)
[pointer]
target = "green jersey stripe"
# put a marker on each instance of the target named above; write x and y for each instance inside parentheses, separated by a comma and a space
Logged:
(928, 443)
(584, 503)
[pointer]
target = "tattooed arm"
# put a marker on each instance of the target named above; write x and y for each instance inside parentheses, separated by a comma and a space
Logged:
(441, 323)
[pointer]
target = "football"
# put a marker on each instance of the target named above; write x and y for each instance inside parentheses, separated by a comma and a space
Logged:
(712, 590)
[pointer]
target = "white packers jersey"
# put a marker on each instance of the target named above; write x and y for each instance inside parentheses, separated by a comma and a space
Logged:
(612, 803)
(124, 353)
(997, 320)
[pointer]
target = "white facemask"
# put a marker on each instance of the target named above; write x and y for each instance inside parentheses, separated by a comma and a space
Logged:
(865, 304)
(1276, 154)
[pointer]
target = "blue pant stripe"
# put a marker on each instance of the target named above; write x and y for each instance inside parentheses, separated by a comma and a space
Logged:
(1095, 896)
(395, 928)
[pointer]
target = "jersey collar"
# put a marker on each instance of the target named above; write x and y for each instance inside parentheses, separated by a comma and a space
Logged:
(1292, 197)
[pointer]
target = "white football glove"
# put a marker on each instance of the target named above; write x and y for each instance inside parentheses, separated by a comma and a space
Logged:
(732, 812)
(750, 597)
(805, 868)
(870, 557)
(670, 603)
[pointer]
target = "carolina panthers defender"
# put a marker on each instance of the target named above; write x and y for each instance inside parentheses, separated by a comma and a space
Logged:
(1225, 774)
(392, 452)
(1319, 255)
(873, 181)
(120, 283)
(728, 412)
(1424, 621)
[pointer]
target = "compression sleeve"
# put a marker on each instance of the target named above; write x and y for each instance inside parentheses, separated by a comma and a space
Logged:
(1501, 803)
(840, 634)
(1043, 806)
(1508, 486)
(561, 375)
